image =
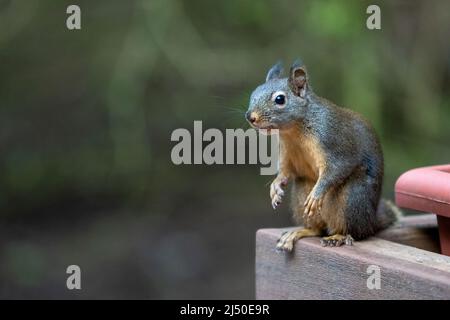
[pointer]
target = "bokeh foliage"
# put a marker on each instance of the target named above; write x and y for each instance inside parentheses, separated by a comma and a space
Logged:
(86, 116)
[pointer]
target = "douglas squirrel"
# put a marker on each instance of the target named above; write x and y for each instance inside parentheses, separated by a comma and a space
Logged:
(331, 154)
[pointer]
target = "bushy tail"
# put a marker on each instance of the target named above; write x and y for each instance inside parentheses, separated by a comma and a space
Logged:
(388, 213)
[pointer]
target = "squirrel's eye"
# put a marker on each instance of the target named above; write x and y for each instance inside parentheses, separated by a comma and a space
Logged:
(280, 99)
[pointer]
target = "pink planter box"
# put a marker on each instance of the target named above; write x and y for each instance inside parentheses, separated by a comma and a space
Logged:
(428, 190)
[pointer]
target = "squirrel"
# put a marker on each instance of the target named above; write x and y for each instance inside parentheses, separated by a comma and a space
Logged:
(331, 154)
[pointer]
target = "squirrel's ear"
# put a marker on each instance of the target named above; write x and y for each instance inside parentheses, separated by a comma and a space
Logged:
(275, 71)
(298, 79)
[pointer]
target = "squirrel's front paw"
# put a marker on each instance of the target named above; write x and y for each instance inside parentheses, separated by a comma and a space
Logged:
(313, 204)
(277, 192)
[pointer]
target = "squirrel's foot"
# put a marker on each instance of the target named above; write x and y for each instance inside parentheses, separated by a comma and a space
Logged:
(336, 240)
(313, 205)
(288, 238)
(277, 192)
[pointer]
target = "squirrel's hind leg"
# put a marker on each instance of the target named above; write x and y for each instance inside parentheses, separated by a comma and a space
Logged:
(336, 240)
(288, 238)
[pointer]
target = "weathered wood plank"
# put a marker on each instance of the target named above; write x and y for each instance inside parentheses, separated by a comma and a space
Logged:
(417, 220)
(419, 231)
(316, 272)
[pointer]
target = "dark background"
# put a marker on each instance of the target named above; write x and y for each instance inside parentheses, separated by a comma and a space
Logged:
(86, 117)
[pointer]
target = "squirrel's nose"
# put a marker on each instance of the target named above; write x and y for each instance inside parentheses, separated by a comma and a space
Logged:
(251, 116)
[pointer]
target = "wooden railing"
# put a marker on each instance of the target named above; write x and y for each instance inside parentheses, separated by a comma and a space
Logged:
(399, 263)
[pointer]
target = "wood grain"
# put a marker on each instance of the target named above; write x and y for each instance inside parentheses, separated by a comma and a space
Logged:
(419, 231)
(315, 272)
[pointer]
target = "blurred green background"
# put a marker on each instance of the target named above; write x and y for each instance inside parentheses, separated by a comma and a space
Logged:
(86, 117)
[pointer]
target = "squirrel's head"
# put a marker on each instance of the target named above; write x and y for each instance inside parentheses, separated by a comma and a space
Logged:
(279, 101)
